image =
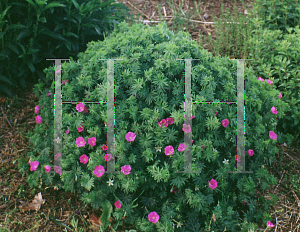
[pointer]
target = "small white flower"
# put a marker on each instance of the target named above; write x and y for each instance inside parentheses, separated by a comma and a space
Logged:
(179, 225)
(158, 149)
(57, 140)
(225, 161)
(110, 182)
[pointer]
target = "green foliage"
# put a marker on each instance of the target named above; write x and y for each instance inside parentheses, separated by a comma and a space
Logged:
(276, 57)
(148, 68)
(50, 29)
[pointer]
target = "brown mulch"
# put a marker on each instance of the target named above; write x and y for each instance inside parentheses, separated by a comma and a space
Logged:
(16, 117)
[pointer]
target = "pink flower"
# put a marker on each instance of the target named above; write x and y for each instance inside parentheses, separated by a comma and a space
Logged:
(126, 169)
(260, 79)
(104, 147)
(84, 159)
(269, 81)
(225, 122)
(238, 158)
(92, 141)
(216, 113)
(280, 96)
(175, 190)
(272, 135)
(80, 107)
(153, 217)
(107, 157)
(99, 171)
(80, 128)
(169, 150)
(170, 121)
(48, 94)
(80, 142)
(86, 110)
(47, 168)
(57, 170)
(202, 147)
(130, 136)
(250, 152)
(186, 128)
(38, 119)
(29, 162)
(213, 184)
(181, 147)
(67, 131)
(34, 165)
(57, 156)
(273, 109)
(118, 204)
(36, 109)
(270, 224)
(163, 121)
(190, 118)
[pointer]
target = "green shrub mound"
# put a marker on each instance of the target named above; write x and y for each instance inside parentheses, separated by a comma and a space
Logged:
(277, 57)
(149, 87)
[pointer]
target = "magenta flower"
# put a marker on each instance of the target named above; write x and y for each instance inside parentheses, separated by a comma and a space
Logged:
(153, 217)
(280, 96)
(175, 190)
(213, 184)
(67, 131)
(118, 204)
(107, 157)
(238, 158)
(163, 121)
(169, 150)
(186, 128)
(37, 109)
(48, 94)
(202, 147)
(269, 81)
(225, 122)
(104, 147)
(34, 165)
(216, 113)
(99, 171)
(126, 169)
(181, 147)
(57, 156)
(86, 110)
(84, 159)
(273, 109)
(47, 168)
(170, 121)
(270, 224)
(80, 107)
(260, 79)
(80, 128)
(57, 170)
(38, 119)
(250, 152)
(80, 142)
(92, 141)
(130, 136)
(272, 135)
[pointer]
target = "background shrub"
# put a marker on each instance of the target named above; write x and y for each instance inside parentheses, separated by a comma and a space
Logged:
(31, 32)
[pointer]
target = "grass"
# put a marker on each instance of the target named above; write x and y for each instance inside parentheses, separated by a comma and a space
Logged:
(231, 41)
